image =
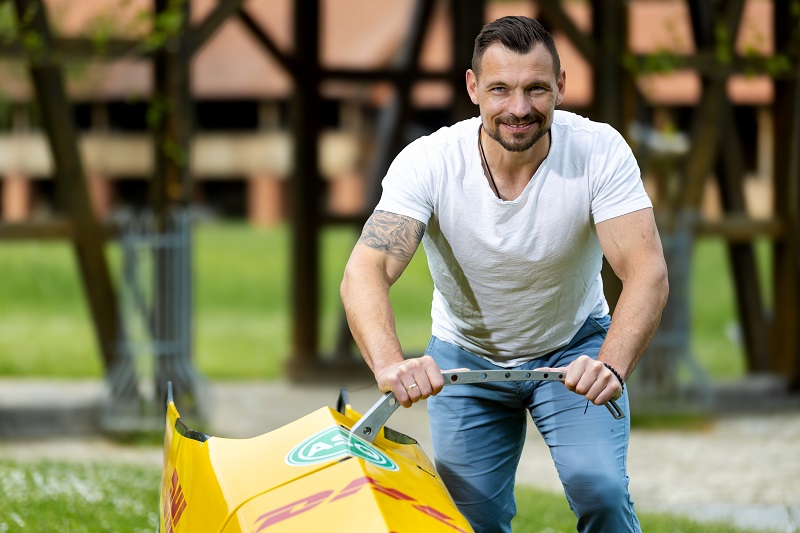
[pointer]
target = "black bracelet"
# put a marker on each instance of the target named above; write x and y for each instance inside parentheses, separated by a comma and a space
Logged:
(616, 374)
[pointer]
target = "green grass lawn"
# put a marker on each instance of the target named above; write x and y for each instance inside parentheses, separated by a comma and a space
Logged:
(50, 497)
(242, 305)
(715, 329)
(97, 497)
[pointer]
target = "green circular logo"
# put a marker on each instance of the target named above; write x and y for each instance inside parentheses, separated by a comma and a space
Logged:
(335, 442)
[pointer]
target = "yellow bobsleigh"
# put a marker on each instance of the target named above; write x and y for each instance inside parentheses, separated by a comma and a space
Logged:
(331, 470)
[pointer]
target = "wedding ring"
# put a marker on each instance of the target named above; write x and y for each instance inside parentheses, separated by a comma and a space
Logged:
(412, 386)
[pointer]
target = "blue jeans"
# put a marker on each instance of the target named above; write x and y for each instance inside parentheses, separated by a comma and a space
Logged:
(479, 431)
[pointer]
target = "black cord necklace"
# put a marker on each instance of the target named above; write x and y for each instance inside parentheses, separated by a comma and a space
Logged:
(486, 164)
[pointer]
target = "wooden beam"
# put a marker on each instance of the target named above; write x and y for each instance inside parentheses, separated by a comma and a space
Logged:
(79, 48)
(730, 175)
(393, 74)
(706, 64)
(609, 29)
(305, 191)
(611, 84)
(702, 20)
(55, 229)
(172, 107)
(716, 143)
(266, 41)
(61, 229)
(786, 251)
(706, 130)
(553, 11)
(57, 120)
(740, 229)
(116, 48)
(394, 115)
(199, 35)
(468, 20)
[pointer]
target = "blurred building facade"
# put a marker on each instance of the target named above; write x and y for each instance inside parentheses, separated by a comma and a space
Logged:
(241, 149)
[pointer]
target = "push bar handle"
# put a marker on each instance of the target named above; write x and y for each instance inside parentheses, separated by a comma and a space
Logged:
(484, 376)
(369, 425)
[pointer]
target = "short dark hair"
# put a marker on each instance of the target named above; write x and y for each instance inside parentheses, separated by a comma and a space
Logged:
(518, 34)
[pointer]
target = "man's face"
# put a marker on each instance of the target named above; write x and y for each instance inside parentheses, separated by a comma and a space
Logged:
(517, 95)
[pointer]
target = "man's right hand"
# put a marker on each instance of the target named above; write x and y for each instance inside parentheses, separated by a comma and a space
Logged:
(411, 380)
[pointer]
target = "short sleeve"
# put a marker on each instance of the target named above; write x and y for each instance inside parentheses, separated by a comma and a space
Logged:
(617, 187)
(409, 182)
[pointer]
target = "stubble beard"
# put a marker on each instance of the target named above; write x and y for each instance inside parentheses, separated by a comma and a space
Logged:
(517, 143)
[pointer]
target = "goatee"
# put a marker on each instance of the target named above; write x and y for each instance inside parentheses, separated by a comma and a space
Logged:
(516, 144)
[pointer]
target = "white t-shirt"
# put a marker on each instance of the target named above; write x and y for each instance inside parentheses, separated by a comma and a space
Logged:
(515, 280)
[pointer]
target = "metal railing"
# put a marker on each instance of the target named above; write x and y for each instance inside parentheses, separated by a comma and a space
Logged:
(155, 286)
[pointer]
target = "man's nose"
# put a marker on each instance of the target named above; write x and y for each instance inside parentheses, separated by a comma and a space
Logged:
(518, 105)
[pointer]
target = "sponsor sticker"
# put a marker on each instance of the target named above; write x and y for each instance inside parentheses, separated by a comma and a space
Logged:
(291, 510)
(174, 503)
(335, 442)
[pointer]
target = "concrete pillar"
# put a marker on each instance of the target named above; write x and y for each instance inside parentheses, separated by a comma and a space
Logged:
(17, 193)
(346, 193)
(711, 206)
(265, 199)
(765, 167)
(101, 194)
(759, 190)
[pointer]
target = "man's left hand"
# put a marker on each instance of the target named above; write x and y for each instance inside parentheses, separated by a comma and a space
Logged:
(590, 378)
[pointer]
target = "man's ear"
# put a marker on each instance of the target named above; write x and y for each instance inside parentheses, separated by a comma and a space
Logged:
(472, 86)
(562, 87)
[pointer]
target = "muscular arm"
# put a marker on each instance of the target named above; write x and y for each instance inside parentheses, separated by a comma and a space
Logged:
(632, 247)
(383, 251)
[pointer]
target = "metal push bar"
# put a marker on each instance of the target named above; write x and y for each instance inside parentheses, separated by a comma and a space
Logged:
(374, 419)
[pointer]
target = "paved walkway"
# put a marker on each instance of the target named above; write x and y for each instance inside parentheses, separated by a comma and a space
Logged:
(745, 469)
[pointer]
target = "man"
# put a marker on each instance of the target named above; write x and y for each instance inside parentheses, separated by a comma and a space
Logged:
(516, 209)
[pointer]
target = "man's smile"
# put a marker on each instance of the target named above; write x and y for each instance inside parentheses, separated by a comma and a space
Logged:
(519, 126)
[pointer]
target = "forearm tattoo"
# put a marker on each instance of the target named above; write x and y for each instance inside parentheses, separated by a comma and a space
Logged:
(397, 235)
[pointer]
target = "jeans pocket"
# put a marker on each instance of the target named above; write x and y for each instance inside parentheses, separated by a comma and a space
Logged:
(600, 324)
